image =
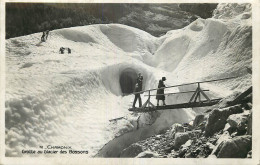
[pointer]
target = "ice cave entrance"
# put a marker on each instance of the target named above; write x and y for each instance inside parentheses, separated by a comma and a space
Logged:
(127, 80)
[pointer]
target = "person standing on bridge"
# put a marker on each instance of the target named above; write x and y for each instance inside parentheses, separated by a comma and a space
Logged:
(160, 92)
(138, 88)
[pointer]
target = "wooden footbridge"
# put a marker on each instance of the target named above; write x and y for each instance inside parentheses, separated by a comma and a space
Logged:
(195, 100)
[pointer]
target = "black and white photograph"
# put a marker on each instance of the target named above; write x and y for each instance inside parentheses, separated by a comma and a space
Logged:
(167, 81)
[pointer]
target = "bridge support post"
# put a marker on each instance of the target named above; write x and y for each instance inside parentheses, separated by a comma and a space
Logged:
(148, 102)
(197, 93)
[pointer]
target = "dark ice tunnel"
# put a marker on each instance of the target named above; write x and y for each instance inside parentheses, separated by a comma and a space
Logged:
(127, 80)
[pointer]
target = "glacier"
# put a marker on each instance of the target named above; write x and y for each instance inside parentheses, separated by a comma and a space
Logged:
(68, 99)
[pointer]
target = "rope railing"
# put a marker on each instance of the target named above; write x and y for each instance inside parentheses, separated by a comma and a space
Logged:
(175, 93)
(198, 82)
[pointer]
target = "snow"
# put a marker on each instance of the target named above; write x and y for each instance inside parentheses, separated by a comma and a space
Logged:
(203, 43)
(68, 99)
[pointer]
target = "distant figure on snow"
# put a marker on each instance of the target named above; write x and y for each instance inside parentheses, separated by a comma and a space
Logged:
(160, 92)
(138, 88)
(62, 50)
(47, 34)
(69, 50)
(43, 36)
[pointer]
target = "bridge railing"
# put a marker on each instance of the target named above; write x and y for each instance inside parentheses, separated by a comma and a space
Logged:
(198, 82)
(196, 94)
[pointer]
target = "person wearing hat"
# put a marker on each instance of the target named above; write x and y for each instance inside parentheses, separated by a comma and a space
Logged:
(160, 92)
(138, 88)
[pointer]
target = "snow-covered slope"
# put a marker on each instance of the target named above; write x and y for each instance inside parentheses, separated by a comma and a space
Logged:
(52, 97)
(211, 48)
(68, 99)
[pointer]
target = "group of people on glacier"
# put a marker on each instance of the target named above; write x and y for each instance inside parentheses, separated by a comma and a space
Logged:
(138, 90)
(44, 37)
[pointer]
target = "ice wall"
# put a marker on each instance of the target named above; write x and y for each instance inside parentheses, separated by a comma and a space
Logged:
(210, 49)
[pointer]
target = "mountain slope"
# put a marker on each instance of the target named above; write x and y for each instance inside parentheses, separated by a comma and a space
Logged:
(155, 19)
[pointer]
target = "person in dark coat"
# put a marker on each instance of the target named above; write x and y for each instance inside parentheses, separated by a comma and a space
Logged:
(47, 34)
(62, 50)
(43, 36)
(69, 50)
(138, 88)
(160, 92)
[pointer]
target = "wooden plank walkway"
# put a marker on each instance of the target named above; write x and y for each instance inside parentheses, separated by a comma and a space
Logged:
(176, 106)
